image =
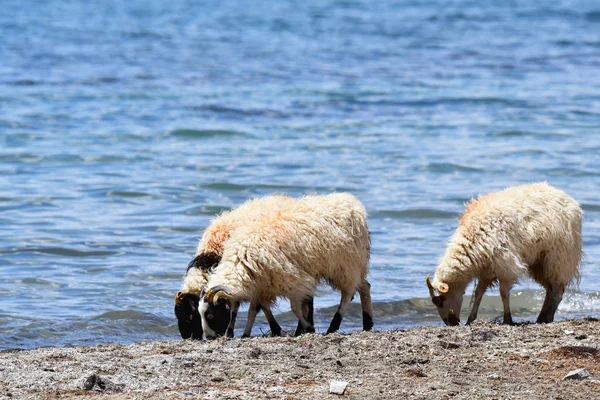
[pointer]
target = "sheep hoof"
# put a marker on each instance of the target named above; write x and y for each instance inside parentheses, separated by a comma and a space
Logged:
(543, 319)
(507, 319)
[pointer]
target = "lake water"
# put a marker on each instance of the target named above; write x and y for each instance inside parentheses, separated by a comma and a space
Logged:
(126, 126)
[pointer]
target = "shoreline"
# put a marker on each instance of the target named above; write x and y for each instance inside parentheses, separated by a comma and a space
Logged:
(484, 360)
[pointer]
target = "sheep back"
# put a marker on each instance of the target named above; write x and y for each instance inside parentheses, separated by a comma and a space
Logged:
(293, 247)
(532, 228)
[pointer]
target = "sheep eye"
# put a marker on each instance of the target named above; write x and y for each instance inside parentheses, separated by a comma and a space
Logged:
(209, 316)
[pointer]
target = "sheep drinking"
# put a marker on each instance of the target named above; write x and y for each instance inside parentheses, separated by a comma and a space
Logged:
(286, 252)
(531, 229)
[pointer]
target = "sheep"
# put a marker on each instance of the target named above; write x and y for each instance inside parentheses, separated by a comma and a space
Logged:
(534, 229)
(208, 256)
(286, 253)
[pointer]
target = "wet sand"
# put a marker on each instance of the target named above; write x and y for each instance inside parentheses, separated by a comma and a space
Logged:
(484, 361)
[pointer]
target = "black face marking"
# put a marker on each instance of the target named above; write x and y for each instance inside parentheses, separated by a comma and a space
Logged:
(205, 262)
(438, 300)
(367, 321)
(188, 317)
(335, 323)
(218, 316)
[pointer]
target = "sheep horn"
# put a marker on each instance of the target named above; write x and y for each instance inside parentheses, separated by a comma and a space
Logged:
(179, 299)
(443, 288)
(212, 292)
(429, 285)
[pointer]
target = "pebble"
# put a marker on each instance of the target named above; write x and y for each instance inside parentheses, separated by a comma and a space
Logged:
(337, 387)
(578, 374)
(96, 382)
(493, 377)
(569, 332)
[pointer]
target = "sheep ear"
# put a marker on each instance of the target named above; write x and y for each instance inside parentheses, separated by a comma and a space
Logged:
(221, 291)
(429, 285)
(443, 288)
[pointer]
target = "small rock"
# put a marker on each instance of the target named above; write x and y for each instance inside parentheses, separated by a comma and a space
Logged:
(569, 332)
(581, 373)
(255, 352)
(102, 384)
(337, 387)
(90, 382)
(581, 337)
(449, 345)
(493, 377)
(280, 389)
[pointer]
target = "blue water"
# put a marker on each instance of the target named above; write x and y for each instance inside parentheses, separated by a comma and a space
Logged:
(126, 126)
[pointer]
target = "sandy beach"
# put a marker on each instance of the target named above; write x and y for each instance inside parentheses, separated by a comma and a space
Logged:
(484, 361)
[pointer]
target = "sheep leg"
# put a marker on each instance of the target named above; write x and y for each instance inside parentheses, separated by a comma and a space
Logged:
(307, 311)
(505, 295)
(364, 290)
(554, 294)
(252, 311)
(296, 305)
(234, 310)
(275, 328)
(339, 314)
(482, 286)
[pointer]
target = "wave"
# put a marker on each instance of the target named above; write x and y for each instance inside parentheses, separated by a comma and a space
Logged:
(413, 213)
(206, 133)
(60, 251)
(127, 326)
(449, 168)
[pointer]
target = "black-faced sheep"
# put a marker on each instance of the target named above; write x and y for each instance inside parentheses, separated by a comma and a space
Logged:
(208, 255)
(534, 229)
(287, 252)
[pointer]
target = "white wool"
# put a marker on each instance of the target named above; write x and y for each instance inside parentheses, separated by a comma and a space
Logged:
(534, 229)
(219, 231)
(288, 250)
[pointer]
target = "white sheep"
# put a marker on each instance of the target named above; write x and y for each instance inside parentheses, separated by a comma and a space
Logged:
(534, 229)
(286, 252)
(208, 255)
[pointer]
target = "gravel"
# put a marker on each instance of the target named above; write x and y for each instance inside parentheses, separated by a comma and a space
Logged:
(421, 363)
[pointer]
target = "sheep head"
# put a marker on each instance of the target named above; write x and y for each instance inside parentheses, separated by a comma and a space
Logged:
(188, 316)
(215, 311)
(447, 299)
